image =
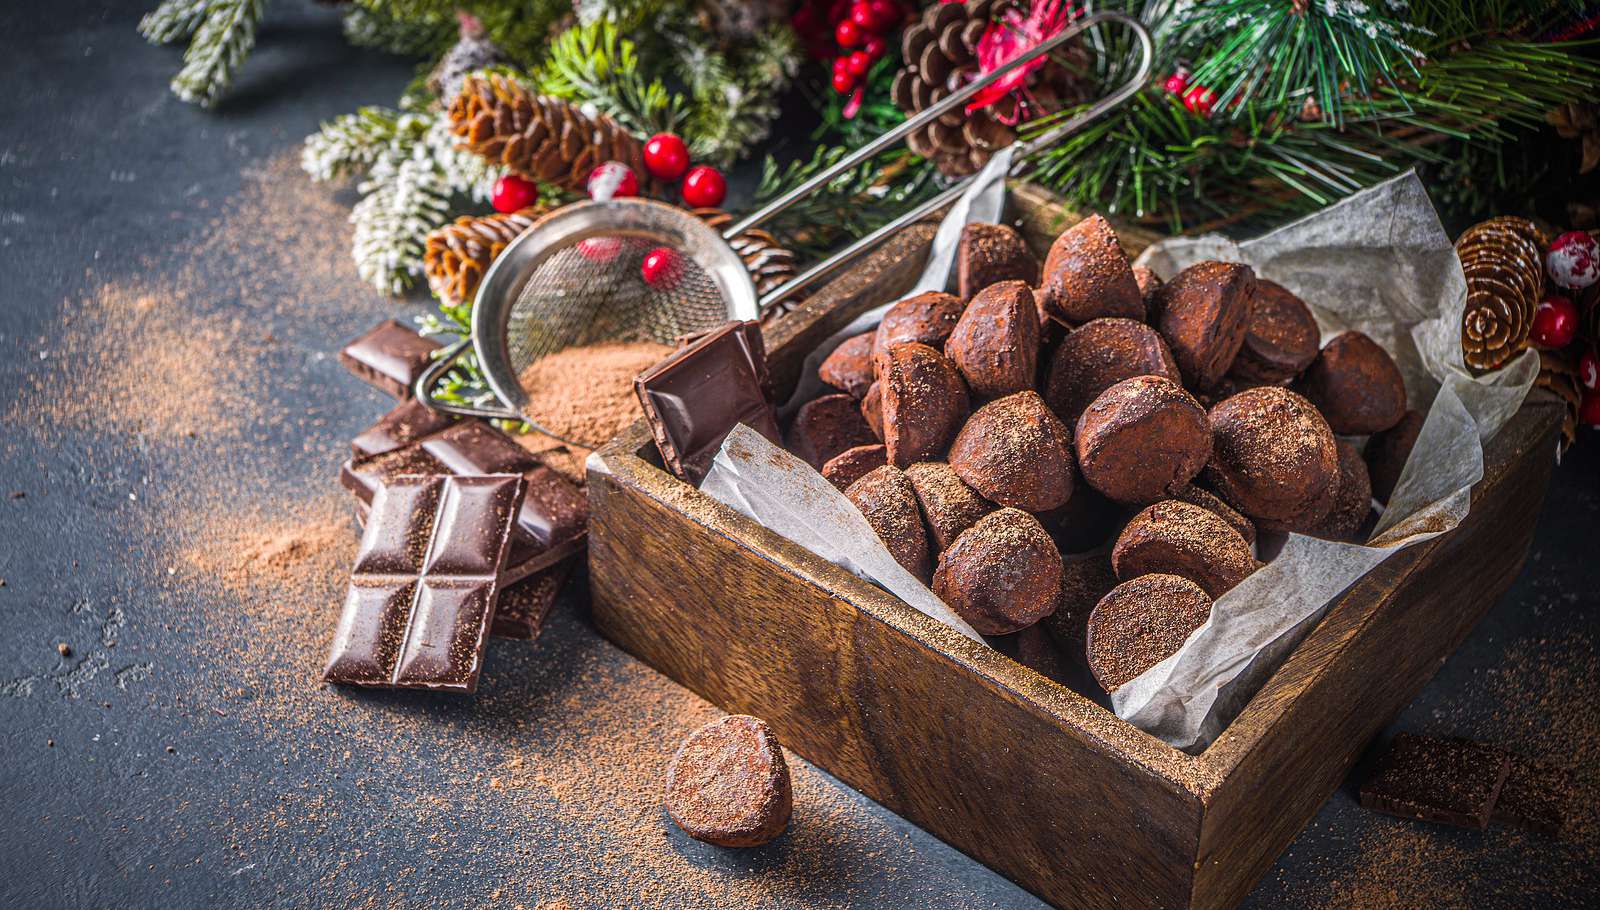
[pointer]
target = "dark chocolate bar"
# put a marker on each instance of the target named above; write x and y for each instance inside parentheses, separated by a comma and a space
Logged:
(403, 425)
(1449, 781)
(1537, 796)
(390, 357)
(694, 397)
(423, 590)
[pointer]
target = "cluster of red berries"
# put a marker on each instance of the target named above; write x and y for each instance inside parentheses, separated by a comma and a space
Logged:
(666, 157)
(1197, 99)
(861, 29)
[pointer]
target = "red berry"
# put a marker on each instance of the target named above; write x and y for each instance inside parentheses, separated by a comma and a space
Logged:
(612, 180)
(600, 249)
(874, 47)
(847, 33)
(1200, 100)
(858, 63)
(861, 15)
(1589, 410)
(843, 82)
(513, 193)
(1177, 82)
(1574, 260)
(662, 267)
(1589, 370)
(704, 187)
(1555, 323)
(886, 13)
(666, 157)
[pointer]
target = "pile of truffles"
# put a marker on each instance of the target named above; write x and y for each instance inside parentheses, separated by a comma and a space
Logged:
(1093, 450)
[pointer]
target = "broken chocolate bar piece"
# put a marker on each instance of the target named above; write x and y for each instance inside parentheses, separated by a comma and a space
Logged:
(403, 425)
(694, 397)
(422, 593)
(1449, 781)
(389, 357)
(524, 605)
(1537, 796)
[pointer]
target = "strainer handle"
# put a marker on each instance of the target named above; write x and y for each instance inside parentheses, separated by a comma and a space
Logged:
(425, 383)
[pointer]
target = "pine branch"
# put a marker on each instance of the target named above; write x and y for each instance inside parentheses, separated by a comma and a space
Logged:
(349, 144)
(428, 35)
(851, 205)
(734, 101)
(173, 20)
(594, 64)
(220, 45)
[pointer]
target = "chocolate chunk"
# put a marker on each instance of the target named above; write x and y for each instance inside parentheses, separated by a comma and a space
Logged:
(694, 397)
(1202, 313)
(1087, 276)
(1356, 385)
(826, 426)
(949, 506)
(872, 409)
(1449, 781)
(989, 254)
(849, 367)
(1140, 623)
(1273, 458)
(1017, 453)
(523, 606)
(888, 500)
(1096, 356)
(1141, 439)
(1205, 499)
(995, 344)
(1388, 451)
(1175, 538)
(423, 589)
(390, 357)
(728, 784)
(1002, 574)
(1085, 579)
(851, 465)
(924, 403)
(1280, 338)
(927, 318)
(1352, 497)
(1537, 796)
(406, 423)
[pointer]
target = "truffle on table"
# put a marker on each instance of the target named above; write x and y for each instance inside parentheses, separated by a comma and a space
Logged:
(949, 506)
(851, 465)
(1017, 453)
(989, 254)
(927, 318)
(1087, 276)
(1280, 338)
(1002, 574)
(849, 367)
(1202, 313)
(1449, 781)
(924, 403)
(888, 501)
(729, 785)
(1096, 356)
(1356, 385)
(1175, 538)
(1387, 452)
(1352, 497)
(1140, 623)
(826, 426)
(1141, 439)
(1273, 458)
(995, 344)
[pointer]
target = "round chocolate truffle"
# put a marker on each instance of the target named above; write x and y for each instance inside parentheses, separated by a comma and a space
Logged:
(924, 403)
(887, 499)
(927, 318)
(1017, 453)
(1272, 457)
(1087, 276)
(1356, 385)
(1352, 497)
(989, 254)
(1175, 538)
(872, 409)
(826, 426)
(1201, 313)
(949, 506)
(1002, 574)
(1099, 354)
(1387, 453)
(1280, 338)
(1205, 499)
(995, 344)
(1147, 281)
(1139, 624)
(1141, 439)
(1084, 580)
(849, 367)
(728, 784)
(851, 465)
(1087, 521)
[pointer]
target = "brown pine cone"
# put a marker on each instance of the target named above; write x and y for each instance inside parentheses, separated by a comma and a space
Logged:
(541, 138)
(769, 264)
(1559, 374)
(1505, 279)
(458, 254)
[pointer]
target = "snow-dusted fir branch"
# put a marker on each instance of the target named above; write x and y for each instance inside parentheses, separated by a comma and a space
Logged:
(173, 20)
(219, 46)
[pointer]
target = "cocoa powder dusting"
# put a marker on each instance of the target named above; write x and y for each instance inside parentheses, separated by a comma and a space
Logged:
(586, 393)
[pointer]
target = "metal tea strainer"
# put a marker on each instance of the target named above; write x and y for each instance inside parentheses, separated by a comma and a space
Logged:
(637, 270)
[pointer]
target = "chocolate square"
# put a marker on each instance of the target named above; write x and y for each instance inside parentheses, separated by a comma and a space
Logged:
(524, 606)
(408, 422)
(1449, 781)
(390, 357)
(1537, 796)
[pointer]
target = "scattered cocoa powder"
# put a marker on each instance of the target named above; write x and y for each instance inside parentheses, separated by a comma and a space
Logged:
(586, 393)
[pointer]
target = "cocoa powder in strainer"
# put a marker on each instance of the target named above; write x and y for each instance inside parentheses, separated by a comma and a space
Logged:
(585, 393)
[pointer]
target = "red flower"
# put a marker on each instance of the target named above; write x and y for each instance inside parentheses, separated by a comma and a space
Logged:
(1012, 37)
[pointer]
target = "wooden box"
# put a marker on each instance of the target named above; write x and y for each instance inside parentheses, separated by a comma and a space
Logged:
(1025, 775)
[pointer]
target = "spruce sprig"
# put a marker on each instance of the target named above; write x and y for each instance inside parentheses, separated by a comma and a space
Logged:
(220, 44)
(173, 20)
(593, 64)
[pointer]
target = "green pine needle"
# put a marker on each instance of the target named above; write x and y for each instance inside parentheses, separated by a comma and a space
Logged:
(173, 20)
(220, 45)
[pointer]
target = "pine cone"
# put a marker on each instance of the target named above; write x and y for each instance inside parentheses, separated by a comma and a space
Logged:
(1505, 279)
(472, 51)
(769, 264)
(1581, 121)
(458, 255)
(941, 55)
(541, 138)
(1559, 374)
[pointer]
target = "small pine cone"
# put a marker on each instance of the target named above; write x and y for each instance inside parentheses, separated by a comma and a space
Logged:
(457, 255)
(1559, 374)
(539, 137)
(1505, 280)
(770, 265)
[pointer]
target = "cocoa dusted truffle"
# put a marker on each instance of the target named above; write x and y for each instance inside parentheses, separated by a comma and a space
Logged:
(927, 318)
(1002, 574)
(1352, 497)
(924, 403)
(1273, 458)
(1142, 622)
(849, 367)
(851, 465)
(989, 254)
(1099, 354)
(1201, 313)
(1356, 385)
(1087, 276)
(889, 502)
(1087, 521)
(826, 426)
(995, 344)
(1175, 538)
(949, 506)
(1084, 580)
(872, 409)
(1280, 338)
(1147, 281)
(1388, 451)
(1141, 439)
(1205, 499)
(728, 784)
(1015, 452)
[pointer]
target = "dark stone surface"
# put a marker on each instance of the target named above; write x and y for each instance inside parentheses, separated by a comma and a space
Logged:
(182, 752)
